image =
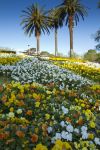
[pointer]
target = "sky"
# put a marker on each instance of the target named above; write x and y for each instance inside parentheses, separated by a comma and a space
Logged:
(12, 34)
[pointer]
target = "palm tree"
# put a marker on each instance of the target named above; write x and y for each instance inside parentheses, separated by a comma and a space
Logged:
(35, 20)
(55, 23)
(70, 11)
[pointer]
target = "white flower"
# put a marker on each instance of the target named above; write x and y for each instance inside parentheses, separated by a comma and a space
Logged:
(64, 134)
(84, 135)
(22, 118)
(19, 111)
(69, 128)
(97, 141)
(49, 129)
(65, 110)
(62, 123)
(76, 130)
(83, 128)
(69, 137)
(58, 136)
(90, 100)
(11, 115)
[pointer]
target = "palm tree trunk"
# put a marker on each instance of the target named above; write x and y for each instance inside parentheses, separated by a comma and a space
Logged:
(38, 43)
(56, 42)
(71, 24)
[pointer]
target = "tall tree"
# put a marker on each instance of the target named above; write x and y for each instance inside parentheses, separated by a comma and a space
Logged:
(55, 23)
(35, 20)
(70, 11)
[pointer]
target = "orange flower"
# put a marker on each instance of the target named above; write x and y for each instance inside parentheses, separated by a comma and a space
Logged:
(68, 119)
(34, 138)
(21, 103)
(20, 134)
(62, 92)
(2, 136)
(29, 112)
(4, 98)
(80, 121)
(98, 91)
(21, 96)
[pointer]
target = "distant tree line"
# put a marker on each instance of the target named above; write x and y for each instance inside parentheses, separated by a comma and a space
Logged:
(7, 50)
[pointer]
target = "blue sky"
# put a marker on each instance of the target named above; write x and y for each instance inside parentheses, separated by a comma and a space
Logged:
(12, 34)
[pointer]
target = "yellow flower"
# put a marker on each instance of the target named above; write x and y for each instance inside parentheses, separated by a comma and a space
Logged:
(88, 114)
(82, 105)
(92, 124)
(11, 109)
(91, 136)
(47, 116)
(37, 104)
(77, 146)
(48, 92)
(40, 147)
(36, 130)
(59, 145)
(37, 97)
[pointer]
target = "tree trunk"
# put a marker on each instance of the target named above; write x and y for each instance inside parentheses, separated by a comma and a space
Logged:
(38, 43)
(71, 24)
(56, 43)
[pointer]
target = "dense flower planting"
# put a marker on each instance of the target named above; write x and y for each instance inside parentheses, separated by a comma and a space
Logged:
(35, 117)
(8, 59)
(34, 70)
(48, 108)
(66, 59)
(86, 69)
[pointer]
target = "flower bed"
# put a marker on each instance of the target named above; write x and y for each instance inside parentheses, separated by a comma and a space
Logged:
(34, 117)
(86, 69)
(43, 72)
(9, 59)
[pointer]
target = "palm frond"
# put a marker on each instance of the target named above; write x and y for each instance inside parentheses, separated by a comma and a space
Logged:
(34, 19)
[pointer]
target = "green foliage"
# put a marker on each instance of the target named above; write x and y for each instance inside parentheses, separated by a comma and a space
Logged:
(92, 55)
(35, 20)
(98, 58)
(45, 53)
(69, 12)
(71, 8)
